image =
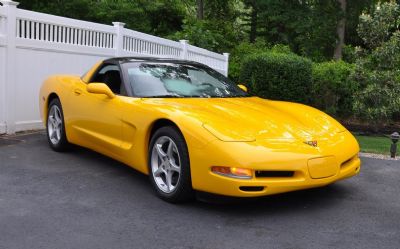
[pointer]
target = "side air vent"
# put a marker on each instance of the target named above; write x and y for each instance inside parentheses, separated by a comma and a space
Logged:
(348, 162)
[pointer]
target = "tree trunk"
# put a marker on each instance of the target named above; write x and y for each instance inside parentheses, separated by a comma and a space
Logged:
(341, 28)
(253, 22)
(200, 9)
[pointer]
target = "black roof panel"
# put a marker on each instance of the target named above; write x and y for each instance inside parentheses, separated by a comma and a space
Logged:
(149, 59)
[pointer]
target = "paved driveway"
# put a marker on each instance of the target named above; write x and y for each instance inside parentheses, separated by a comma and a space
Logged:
(83, 200)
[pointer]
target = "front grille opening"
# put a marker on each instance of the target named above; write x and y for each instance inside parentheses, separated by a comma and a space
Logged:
(274, 173)
(251, 188)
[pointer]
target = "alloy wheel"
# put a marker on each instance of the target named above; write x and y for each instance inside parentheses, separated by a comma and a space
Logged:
(165, 164)
(54, 124)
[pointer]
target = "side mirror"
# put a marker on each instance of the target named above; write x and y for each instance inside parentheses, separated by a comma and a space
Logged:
(100, 88)
(243, 87)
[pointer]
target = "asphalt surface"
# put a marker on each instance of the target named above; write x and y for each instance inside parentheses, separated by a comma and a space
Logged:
(81, 199)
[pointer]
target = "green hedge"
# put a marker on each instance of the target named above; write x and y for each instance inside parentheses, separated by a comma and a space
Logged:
(334, 87)
(246, 49)
(278, 76)
(239, 54)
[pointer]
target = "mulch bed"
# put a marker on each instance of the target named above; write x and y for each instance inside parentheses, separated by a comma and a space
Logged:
(370, 128)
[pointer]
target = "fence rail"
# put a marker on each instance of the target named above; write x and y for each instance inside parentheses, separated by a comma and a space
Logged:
(216, 61)
(140, 43)
(35, 45)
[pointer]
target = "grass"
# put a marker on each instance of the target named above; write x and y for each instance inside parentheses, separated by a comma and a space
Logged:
(374, 144)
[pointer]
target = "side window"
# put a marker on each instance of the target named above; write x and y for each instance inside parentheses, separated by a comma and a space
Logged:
(110, 75)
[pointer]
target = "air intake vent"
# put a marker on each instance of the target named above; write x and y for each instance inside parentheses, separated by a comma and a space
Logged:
(251, 188)
(273, 173)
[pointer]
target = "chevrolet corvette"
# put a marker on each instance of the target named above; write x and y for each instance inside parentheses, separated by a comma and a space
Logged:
(191, 129)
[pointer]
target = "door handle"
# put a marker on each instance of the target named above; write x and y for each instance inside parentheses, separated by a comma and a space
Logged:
(78, 92)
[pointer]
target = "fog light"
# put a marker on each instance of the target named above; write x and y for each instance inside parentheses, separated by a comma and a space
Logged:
(233, 172)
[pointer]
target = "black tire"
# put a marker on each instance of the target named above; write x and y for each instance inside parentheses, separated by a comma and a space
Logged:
(62, 144)
(183, 191)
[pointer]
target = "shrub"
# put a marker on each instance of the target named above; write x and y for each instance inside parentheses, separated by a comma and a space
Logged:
(281, 48)
(240, 53)
(246, 49)
(379, 100)
(350, 54)
(278, 76)
(334, 87)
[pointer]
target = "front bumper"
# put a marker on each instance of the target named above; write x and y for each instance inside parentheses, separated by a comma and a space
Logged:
(345, 164)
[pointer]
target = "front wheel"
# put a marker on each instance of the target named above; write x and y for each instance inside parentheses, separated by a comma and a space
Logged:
(55, 127)
(169, 167)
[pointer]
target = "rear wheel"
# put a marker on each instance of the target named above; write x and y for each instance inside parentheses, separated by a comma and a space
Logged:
(169, 167)
(55, 127)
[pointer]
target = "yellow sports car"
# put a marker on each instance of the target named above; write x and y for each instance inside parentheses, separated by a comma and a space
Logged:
(190, 129)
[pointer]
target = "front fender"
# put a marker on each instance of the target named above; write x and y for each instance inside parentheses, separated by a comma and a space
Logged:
(55, 86)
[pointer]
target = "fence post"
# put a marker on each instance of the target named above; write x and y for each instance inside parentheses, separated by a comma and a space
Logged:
(184, 44)
(119, 38)
(226, 63)
(10, 87)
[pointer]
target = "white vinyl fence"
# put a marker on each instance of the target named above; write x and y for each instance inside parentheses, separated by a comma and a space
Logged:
(35, 45)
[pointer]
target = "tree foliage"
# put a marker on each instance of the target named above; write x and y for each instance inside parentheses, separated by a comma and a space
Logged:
(374, 29)
(273, 44)
(159, 17)
(308, 27)
(379, 100)
(218, 30)
(378, 67)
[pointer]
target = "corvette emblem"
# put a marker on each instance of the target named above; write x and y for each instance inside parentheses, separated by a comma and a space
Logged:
(312, 143)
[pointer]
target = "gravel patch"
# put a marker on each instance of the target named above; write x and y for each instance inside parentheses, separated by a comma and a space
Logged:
(379, 156)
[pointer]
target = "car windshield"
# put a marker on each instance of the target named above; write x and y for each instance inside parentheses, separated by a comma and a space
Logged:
(175, 80)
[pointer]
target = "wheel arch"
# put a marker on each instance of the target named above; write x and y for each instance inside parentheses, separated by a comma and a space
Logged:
(184, 191)
(157, 124)
(51, 96)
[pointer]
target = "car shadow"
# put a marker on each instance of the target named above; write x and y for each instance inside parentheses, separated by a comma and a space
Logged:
(310, 199)
(96, 159)
(286, 202)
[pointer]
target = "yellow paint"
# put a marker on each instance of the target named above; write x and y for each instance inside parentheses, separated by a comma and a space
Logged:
(243, 87)
(249, 133)
(100, 88)
(323, 167)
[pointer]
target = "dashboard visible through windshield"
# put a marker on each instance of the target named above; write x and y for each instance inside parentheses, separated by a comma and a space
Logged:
(175, 80)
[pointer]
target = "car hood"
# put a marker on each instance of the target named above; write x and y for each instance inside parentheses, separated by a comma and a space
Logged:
(253, 118)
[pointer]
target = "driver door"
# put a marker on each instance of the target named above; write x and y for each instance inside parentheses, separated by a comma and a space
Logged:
(95, 118)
